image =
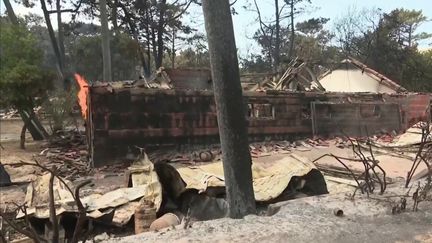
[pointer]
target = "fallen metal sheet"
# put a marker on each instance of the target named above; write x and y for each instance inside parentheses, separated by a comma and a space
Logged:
(37, 191)
(122, 201)
(114, 198)
(37, 197)
(270, 178)
(92, 202)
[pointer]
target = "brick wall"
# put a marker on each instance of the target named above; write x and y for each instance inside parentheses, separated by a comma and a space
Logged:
(417, 109)
(121, 118)
(355, 119)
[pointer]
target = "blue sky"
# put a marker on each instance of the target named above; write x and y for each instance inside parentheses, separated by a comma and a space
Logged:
(245, 22)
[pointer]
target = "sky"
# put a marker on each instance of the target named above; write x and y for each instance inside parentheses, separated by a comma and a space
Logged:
(245, 21)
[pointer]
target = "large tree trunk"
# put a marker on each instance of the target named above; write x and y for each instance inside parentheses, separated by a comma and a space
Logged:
(160, 33)
(10, 12)
(60, 39)
(276, 54)
(145, 64)
(53, 42)
(154, 46)
(173, 50)
(148, 35)
(114, 16)
(60, 32)
(143, 60)
(230, 107)
(148, 51)
(292, 36)
(106, 52)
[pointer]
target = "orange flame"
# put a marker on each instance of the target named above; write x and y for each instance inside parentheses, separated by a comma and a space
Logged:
(82, 94)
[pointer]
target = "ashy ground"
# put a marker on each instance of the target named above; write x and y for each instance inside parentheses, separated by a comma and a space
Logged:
(310, 219)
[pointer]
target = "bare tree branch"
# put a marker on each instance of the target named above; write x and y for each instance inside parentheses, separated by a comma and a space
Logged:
(52, 210)
(181, 12)
(82, 212)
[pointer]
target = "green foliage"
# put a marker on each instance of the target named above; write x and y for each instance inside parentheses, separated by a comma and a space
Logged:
(417, 75)
(154, 24)
(192, 59)
(86, 54)
(21, 76)
(401, 26)
(255, 64)
(312, 26)
(312, 44)
(60, 108)
(391, 46)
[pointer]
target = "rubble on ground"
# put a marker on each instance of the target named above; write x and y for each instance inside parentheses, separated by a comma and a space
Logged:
(9, 114)
(69, 152)
(173, 189)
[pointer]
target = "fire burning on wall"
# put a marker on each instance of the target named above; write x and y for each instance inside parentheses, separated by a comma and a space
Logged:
(82, 94)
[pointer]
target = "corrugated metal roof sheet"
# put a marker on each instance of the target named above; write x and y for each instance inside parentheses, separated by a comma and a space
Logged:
(270, 179)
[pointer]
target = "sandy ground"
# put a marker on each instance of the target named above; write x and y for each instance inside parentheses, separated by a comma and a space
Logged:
(10, 130)
(310, 220)
(394, 166)
(10, 154)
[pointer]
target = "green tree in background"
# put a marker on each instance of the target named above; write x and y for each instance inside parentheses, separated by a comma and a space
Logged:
(255, 64)
(23, 83)
(312, 44)
(190, 58)
(86, 57)
(388, 42)
(418, 72)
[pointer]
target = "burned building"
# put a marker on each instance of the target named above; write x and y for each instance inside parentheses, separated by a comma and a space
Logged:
(123, 115)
